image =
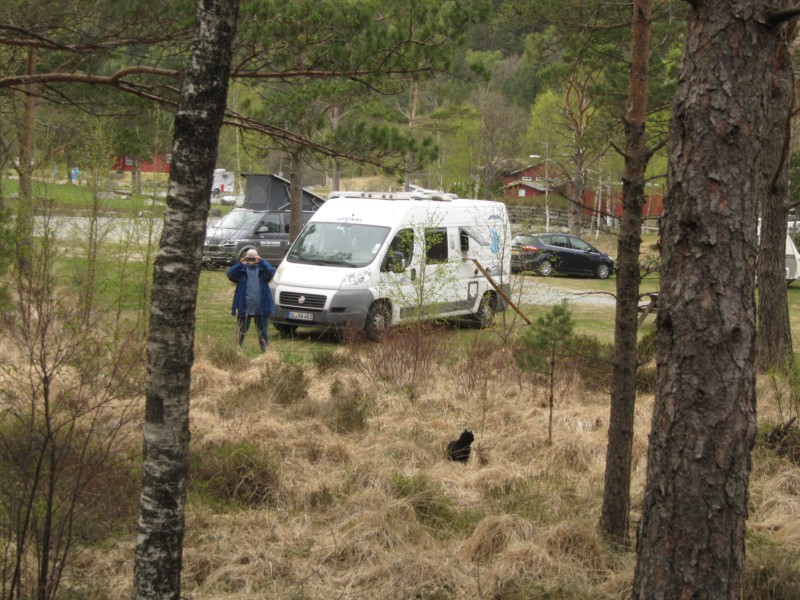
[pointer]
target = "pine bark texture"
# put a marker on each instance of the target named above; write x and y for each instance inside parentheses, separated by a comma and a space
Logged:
(691, 534)
(616, 491)
(774, 332)
(157, 569)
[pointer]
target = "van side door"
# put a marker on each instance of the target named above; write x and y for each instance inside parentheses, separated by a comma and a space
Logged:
(399, 274)
(270, 239)
(443, 290)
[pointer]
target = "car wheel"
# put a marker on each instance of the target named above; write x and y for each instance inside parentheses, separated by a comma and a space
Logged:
(378, 320)
(603, 271)
(284, 329)
(484, 316)
(545, 269)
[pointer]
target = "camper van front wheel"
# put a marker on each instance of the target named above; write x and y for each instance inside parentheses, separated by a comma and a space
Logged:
(485, 314)
(378, 320)
(284, 329)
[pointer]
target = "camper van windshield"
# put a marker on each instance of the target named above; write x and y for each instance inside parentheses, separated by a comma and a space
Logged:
(338, 244)
(239, 219)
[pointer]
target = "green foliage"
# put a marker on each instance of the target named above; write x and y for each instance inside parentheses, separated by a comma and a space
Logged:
(549, 336)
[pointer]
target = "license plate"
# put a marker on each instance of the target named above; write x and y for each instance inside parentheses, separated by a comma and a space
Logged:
(300, 316)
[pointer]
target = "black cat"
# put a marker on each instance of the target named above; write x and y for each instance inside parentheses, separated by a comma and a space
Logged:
(459, 449)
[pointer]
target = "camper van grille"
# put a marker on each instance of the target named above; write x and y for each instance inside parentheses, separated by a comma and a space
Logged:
(295, 300)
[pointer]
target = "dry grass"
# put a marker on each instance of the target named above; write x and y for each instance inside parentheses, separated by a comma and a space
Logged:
(369, 507)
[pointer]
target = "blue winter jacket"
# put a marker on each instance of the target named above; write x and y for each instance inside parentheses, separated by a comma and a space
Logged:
(238, 275)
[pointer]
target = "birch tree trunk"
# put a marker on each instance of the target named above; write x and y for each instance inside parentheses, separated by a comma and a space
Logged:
(691, 536)
(616, 491)
(157, 568)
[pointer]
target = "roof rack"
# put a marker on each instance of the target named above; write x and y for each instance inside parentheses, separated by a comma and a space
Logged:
(417, 193)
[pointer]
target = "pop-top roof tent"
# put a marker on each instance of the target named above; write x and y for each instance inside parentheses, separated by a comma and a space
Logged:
(271, 192)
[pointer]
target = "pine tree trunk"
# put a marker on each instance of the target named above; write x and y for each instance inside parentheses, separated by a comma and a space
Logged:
(157, 569)
(691, 536)
(774, 332)
(616, 493)
(576, 200)
(24, 220)
(296, 196)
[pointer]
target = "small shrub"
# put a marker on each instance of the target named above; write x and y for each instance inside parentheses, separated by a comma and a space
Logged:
(238, 474)
(770, 573)
(327, 359)
(223, 355)
(784, 439)
(406, 357)
(529, 587)
(646, 378)
(431, 506)
(646, 348)
(286, 385)
(348, 408)
(537, 499)
(289, 384)
(594, 360)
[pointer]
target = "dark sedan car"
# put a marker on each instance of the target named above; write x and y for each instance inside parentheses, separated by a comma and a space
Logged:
(559, 253)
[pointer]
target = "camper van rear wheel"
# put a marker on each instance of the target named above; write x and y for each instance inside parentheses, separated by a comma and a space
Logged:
(378, 320)
(485, 313)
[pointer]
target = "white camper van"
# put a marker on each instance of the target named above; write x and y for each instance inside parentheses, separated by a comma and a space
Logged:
(792, 259)
(368, 260)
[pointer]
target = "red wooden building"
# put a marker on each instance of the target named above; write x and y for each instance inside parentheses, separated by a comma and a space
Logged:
(533, 181)
(159, 164)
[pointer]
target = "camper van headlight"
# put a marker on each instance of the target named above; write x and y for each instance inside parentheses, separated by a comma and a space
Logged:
(354, 279)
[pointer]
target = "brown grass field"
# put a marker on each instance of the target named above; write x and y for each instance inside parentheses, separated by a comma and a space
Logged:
(328, 479)
(318, 470)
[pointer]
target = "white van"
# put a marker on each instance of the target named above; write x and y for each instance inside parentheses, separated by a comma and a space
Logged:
(368, 260)
(792, 258)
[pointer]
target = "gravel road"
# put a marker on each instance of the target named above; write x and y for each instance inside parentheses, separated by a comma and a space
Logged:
(541, 290)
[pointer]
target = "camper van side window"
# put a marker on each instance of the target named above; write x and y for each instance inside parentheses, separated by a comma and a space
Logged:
(464, 241)
(403, 241)
(436, 245)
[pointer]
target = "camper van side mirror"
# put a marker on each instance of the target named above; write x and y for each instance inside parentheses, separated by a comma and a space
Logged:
(394, 262)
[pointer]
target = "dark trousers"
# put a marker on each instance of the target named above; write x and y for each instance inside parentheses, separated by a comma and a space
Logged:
(243, 324)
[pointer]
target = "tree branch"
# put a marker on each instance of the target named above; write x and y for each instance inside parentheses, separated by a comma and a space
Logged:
(781, 16)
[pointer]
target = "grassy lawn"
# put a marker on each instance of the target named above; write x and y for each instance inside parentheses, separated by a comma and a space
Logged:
(66, 198)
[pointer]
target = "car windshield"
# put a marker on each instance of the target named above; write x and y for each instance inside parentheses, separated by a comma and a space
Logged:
(523, 240)
(338, 244)
(239, 219)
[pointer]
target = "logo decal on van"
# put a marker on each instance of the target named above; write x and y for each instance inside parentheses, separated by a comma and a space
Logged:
(351, 219)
